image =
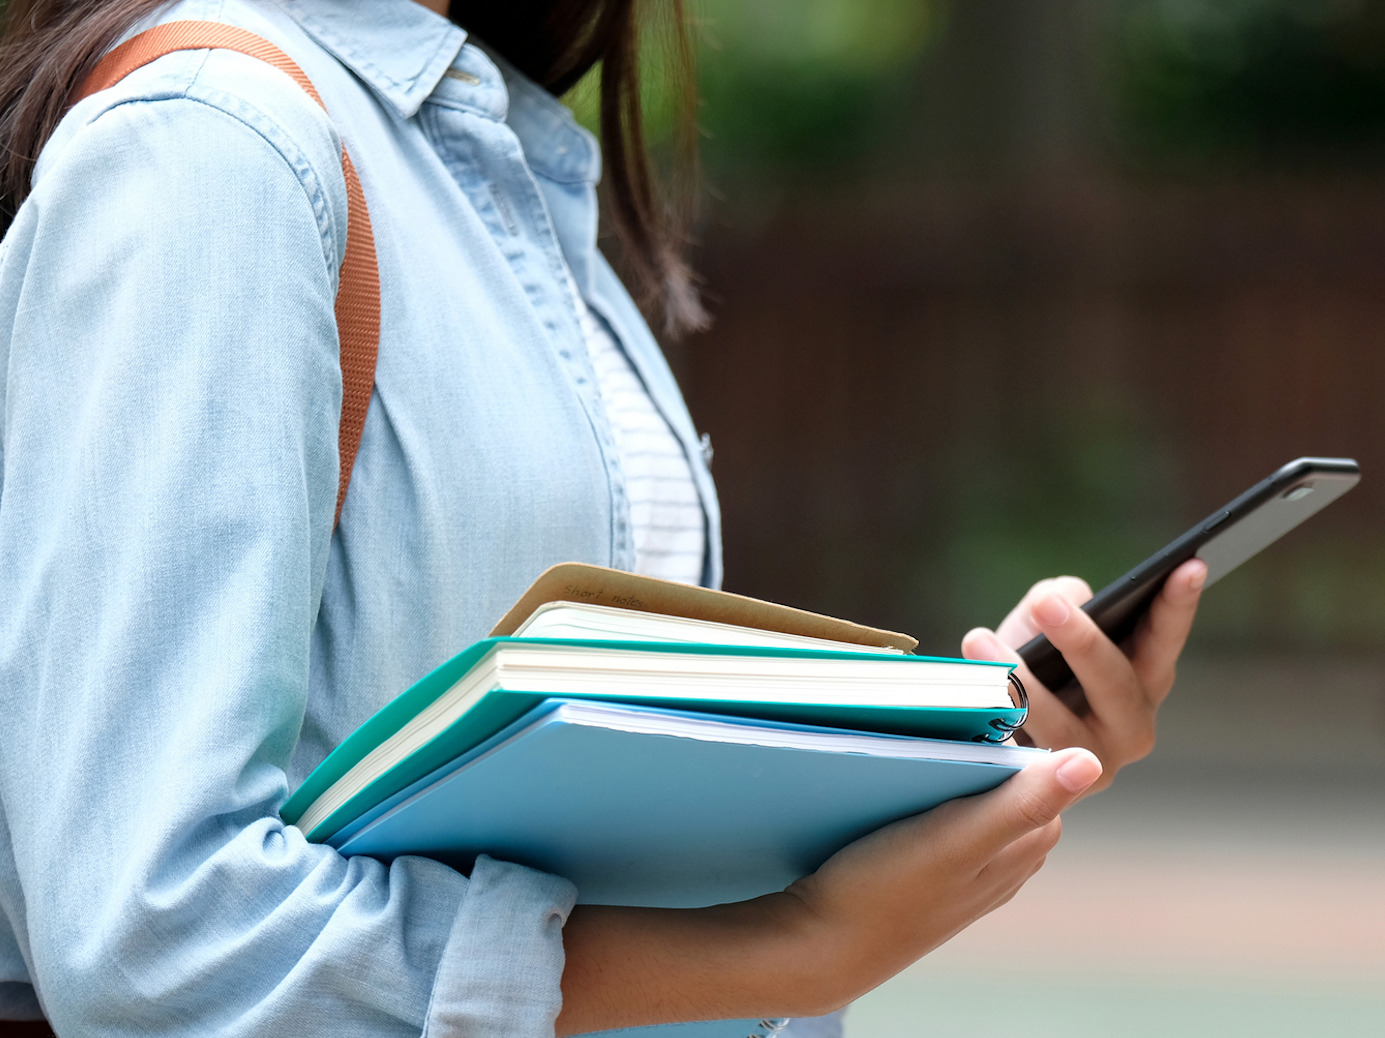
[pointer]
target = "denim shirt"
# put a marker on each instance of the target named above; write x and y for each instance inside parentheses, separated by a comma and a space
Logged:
(183, 635)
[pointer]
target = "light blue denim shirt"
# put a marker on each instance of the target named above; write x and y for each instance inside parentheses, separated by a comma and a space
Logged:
(182, 636)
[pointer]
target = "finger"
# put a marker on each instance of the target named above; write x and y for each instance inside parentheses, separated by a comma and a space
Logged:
(1000, 895)
(1163, 631)
(1019, 626)
(1019, 860)
(1017, 864)
(1051, 722)
(981, 643)
(1029, 801)
(1014, 888)
(1036, 845)
(1074, 589)
(1114, 691)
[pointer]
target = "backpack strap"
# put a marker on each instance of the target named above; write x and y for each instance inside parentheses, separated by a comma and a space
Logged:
(358, 285)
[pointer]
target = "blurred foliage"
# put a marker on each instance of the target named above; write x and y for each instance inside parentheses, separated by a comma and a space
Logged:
(810, 84)
(803, 85)
(1268, 80)
(805, 82)
(786, 83)
(1088, 493)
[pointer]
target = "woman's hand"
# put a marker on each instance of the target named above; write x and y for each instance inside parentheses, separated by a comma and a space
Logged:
(1124, 689)
(873, 908)
(893, 896)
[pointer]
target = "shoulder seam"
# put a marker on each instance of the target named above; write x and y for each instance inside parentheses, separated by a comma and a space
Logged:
(331, 228)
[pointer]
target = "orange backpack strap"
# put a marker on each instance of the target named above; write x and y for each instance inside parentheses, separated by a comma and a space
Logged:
(358, 287)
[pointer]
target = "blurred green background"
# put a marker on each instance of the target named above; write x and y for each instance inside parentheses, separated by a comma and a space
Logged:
(1010, 288)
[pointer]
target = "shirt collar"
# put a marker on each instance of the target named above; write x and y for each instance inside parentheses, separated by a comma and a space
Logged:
(403, 51)
(554, 144)
(398, 47)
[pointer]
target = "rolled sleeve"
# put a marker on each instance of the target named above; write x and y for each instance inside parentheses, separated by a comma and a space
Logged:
(501, 969)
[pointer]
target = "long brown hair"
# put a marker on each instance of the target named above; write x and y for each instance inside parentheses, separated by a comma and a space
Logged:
(47, 48)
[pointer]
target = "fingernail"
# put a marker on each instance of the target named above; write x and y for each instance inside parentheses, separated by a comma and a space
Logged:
(1053, 610)
(1198, 579)
(1078, 772)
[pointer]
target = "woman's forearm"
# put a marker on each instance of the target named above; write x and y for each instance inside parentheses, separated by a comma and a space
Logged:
(628, 967)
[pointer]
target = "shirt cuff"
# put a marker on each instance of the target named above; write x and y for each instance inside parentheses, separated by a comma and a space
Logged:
(501, 969)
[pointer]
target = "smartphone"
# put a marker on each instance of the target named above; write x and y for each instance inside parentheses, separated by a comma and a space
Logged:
(1224, 540)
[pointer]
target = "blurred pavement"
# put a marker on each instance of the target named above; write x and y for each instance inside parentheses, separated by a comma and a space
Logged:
(1233, 884)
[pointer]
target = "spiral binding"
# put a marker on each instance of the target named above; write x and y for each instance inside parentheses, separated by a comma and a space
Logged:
(1004, 729)
(768, 1029)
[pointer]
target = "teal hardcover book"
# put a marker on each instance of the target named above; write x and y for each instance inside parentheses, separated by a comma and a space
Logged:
(491, 684)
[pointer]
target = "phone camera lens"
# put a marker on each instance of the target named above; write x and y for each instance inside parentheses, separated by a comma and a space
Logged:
(1299, 492)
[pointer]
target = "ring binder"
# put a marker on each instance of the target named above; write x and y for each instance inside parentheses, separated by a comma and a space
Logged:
(768, 1029)
(1004, 727)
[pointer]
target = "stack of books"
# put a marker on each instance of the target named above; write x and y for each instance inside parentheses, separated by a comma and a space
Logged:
(664, 745)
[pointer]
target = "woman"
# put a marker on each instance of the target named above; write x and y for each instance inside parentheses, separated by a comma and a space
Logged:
(186, 633)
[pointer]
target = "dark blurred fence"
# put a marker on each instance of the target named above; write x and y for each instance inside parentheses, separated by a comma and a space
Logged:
(926, 397)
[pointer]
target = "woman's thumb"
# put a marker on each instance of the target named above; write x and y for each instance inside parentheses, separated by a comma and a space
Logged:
(1035, 797)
